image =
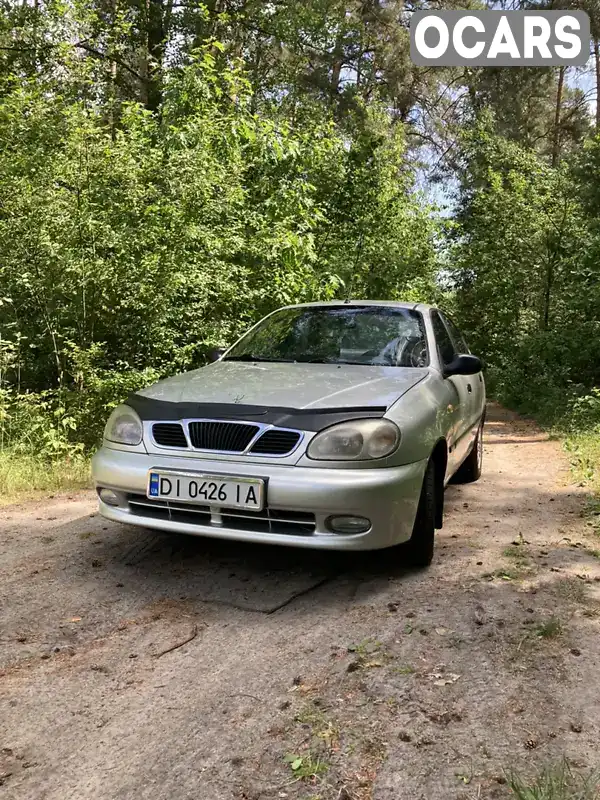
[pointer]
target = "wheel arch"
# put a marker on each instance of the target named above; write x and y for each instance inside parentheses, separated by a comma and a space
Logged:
(439, 457)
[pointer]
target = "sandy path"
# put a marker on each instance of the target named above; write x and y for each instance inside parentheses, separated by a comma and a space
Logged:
(389, 684)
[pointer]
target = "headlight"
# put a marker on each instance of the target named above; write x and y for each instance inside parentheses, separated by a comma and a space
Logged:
(124, 426)
(355, 441)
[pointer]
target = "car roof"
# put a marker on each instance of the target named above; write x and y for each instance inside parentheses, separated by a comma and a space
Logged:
(388, 303)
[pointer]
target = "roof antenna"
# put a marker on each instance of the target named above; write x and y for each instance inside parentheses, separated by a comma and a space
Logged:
(359, 245)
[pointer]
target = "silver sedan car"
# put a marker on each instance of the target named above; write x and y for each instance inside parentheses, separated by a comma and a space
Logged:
(328, 425)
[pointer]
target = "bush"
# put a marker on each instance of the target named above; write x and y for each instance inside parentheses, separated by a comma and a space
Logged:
(584, 413)
(66, 423)
(37, 424)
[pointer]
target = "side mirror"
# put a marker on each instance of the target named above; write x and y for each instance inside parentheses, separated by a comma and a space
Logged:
(215, 353)
(464, 364)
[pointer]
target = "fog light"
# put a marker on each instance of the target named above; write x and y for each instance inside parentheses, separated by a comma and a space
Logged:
(109, 497)
(348, 524)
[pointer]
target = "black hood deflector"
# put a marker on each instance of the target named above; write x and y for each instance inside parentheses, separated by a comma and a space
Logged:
(312, 419)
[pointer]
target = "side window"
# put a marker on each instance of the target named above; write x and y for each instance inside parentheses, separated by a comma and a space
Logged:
(442, 338)
(459, 340)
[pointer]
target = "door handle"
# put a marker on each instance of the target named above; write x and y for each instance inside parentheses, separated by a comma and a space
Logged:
(469, 389)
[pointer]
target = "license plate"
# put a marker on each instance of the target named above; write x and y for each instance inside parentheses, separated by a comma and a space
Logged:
(207, 490)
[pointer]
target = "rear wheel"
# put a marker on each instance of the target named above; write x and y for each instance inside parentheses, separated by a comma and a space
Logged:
(419, 548)
(470, 470)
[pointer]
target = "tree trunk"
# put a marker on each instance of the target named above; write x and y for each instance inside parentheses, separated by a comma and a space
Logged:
(597, 63)
(548, 290)
(155, 37)
(336, 68)
(112, 88)
(555, 159)
(556, 135)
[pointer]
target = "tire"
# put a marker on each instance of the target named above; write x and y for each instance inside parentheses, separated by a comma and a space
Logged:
(419, 548)
(470, 470)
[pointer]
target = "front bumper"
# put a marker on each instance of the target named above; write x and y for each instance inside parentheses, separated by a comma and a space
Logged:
(388, 497)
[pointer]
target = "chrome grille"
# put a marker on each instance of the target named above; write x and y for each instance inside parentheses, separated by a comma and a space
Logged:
(224, 436)
(169, 434)
(269, 520)
(276, 442)
(228, 437)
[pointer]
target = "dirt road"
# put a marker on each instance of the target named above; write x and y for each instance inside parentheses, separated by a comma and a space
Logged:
(137, 665)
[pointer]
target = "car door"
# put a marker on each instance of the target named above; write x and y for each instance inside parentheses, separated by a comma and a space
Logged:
(475, 384)
(458, 396)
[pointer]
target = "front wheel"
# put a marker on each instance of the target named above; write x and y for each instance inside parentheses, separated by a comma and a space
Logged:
(419, 548)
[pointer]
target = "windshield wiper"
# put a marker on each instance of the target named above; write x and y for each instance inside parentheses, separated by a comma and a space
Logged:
(251, 357)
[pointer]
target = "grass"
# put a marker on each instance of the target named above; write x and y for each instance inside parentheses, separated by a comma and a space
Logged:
(519, 554)
(584, 452)
(321, 727)
(514, 551)
(556, 782)
(404, 670)
(571, 589)
(368, 653)
(549, 629)
(365, 648)
(306, 766)
(591, 511)
(25, 476)
(506, 574)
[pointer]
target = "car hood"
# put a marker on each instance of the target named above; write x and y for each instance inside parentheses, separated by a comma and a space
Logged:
(299, 386)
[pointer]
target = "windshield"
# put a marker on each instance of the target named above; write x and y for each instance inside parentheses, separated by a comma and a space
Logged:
(370, 335)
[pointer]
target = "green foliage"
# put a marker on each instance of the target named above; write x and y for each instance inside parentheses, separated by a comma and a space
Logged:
(556, 782)
(306, 766)
(549, 629)
(584, 453)
(26, 475)
(125, 255)
(525, 249)
(33, 423)
(584, 412)
(517, 241)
